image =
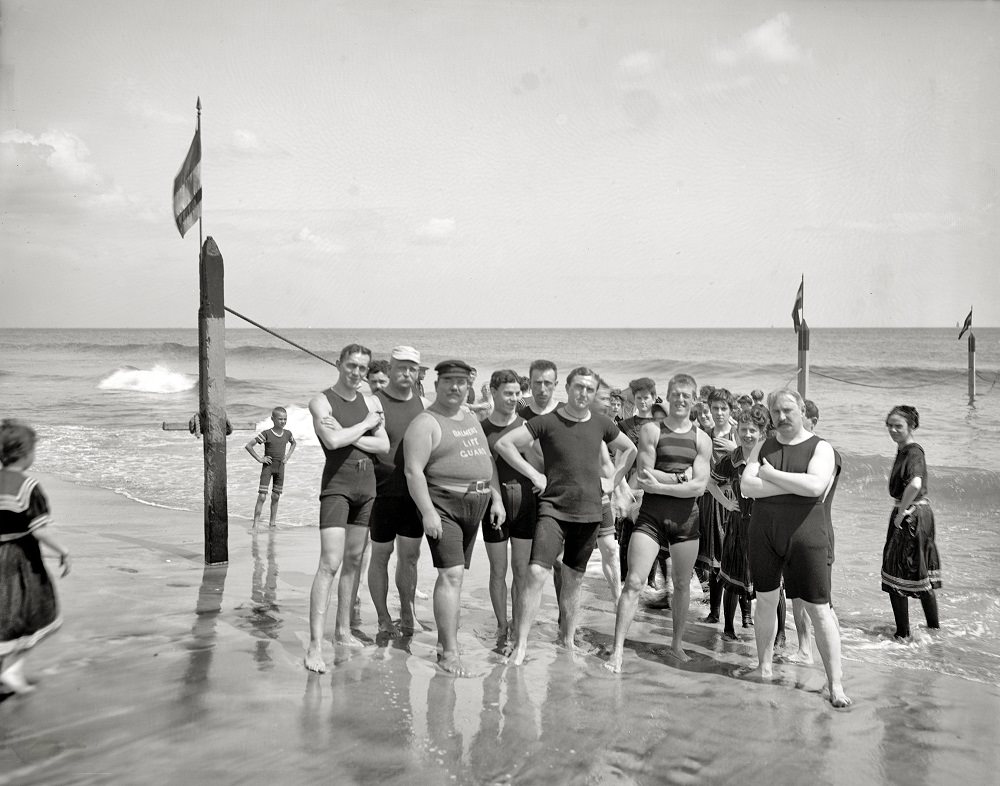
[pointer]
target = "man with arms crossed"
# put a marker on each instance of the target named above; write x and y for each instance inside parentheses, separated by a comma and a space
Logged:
(349, 427)
(452, 479)
(395, 518)
(789, 475)
(673, 461)
(570, 497)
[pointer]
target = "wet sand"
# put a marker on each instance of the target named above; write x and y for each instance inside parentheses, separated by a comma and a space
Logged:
(168, 671)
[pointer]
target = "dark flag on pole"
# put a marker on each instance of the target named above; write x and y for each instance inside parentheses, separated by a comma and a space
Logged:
(967, 325)
(797, 308)
(187, 188)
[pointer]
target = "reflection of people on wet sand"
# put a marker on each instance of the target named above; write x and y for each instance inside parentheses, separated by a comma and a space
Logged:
(29, 610)
(788, 475)
(570, 507)
(272, 472)
(349, 427)
(452, 479)
(673, 470)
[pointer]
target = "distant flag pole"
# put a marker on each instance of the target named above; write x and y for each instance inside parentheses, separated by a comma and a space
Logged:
(187, 186)
(797, 309)
(967, 325)
(972, 355)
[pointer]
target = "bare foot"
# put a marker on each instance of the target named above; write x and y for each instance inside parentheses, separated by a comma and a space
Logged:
(387, 628)
(314, 660)
(614, 664)
(569, 644)
(730, 635)
(516, 656)
(799, 656)
(348, 640)
(838, 698)
(453, 665)
(14, 681)
(679, 654)
(412, 627)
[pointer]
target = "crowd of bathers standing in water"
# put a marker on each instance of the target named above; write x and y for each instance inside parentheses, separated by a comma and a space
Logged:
(739, 490)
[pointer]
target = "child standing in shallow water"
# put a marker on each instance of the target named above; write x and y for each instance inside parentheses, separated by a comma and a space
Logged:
(28, 607)
(275, 441)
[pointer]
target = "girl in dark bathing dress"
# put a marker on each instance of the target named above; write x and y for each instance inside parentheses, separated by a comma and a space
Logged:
(910, 563)
(28, 607)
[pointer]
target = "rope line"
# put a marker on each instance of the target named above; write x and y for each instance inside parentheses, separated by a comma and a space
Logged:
(869, 385)
(278, 335)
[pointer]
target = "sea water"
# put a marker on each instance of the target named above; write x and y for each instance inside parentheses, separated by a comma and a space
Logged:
(98, 399)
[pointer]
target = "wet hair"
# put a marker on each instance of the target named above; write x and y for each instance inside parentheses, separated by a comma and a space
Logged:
(543, 366)
(642, 385)
(582, 371)
(279, 411)
(757, 395)
(377, 367)
(504, 377)
(756, 414)
(721, 394)
(906, 412)
(812, 411)
(685, 380)
(355, 349)
(774, 395)
(17, 440)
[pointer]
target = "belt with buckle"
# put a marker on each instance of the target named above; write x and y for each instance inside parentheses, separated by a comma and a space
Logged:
(475, 487)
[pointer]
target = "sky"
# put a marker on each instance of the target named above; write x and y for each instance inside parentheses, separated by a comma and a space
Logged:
(457, 163)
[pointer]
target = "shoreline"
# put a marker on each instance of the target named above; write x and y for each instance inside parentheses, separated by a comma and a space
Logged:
(167, 669)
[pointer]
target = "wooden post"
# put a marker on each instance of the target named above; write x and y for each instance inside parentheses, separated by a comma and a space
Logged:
(212, 400)
(803, 377)
(972, 368)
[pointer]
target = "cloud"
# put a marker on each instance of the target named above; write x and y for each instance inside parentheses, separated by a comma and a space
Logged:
(436, 230)
(318, 242)
(770, 42)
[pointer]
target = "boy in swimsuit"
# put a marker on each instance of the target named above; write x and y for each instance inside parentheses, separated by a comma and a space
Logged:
(276, 441)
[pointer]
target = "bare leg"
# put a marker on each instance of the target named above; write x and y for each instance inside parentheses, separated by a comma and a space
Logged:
(642, 551)
(350, 573)
(331, 541)
(569, 606)
(447, 605)
(497, 553)
(378, 584)
(527, 608)
(520, 553)
(610, 564)
(682, 558)
(803, 629)
(258, 509)
(362, 571)
(828, 643)
(274, 510)
(765, 621)
(407, 554)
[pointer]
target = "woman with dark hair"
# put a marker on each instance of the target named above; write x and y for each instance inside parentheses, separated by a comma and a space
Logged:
(910, 563)
(751, 426)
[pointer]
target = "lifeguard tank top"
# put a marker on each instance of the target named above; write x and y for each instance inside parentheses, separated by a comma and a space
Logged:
(462, 456)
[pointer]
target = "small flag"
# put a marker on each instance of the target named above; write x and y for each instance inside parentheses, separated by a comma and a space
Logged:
(187, 188)
(967, 325)
(797, 308)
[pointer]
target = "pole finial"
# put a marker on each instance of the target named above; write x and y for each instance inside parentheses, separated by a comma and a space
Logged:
(198, 104)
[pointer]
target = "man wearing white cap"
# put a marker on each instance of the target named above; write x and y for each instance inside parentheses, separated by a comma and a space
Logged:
(395, 520)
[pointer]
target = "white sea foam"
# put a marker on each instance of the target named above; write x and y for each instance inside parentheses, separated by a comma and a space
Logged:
(158, 379)
(299, 423)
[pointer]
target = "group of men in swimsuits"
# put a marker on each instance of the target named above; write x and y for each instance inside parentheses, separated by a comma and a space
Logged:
(548, 477)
